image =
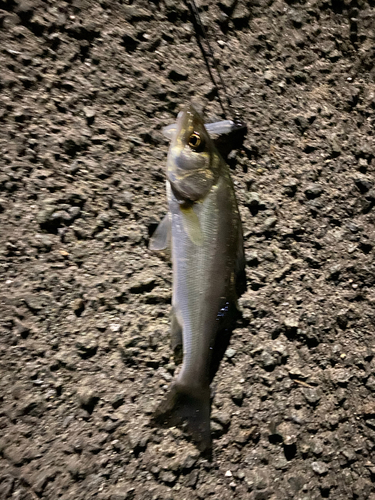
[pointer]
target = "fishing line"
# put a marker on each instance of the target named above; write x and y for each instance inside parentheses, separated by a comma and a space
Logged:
(202, 35)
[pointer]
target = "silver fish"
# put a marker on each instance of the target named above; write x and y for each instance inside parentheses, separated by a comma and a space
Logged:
(203, 228)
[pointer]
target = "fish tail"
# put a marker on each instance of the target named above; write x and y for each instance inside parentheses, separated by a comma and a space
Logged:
(191, 406)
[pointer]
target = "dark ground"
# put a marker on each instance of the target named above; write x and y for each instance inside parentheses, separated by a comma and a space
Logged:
(85, 89)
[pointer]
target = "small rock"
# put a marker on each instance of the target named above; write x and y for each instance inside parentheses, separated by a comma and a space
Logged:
(371, 423)
(22, 329)
(78, 306)
(177, 74)
(189, 460)
(349, 454)
(340, 376)
(304, 447)
(115, 327)
(138, 441)
(130, 42)
(342, 318)
(222, 417)
(312, 395)
(87, 398)
(76, 469)
(363, 184)
(3, 205)
(244, 436)
(301, 122)
(230, 353)
(334, 56)
(269, 77)
(260, 478)
(237, 394)
(336, 149)
(288, 433)
(296, 372)
(319, 468)
(43, 242)
(118, 400)
(270, 256)
(74, 168)
(192, 479)
(74, 212)
(269, 223)
(122, 493)
(42, 478)
(368, 409)
(267, 360)
(240, 16)
(125, 198)
(168, 477)
(227, 5)
(252, 200)
(290, 187)
(316, 447)
(291, 324)
(15, 455)
(299, 76)
(363, 488)
(89, 113)
(252, 259)
(334, 272)
(87, 346)
(370, 384)
(280, 462)
(362, 164)
(44, 215)
(141, 284)
(117, 445)
(31, 405)
(217, 429)
(313, 191)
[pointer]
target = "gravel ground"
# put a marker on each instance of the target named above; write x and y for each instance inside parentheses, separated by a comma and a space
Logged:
(85, 88)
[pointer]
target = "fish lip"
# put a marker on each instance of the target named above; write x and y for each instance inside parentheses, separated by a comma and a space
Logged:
(184, 118)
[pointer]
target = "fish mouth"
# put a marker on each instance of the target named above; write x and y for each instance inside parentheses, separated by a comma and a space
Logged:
(184, 125)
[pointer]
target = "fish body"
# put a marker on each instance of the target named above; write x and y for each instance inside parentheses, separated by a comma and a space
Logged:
(204, 229)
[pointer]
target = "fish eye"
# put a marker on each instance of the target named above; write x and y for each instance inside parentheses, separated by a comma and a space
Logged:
(195, 140)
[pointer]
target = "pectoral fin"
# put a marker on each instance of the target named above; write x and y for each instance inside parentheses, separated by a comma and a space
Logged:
(161, 239)
(192, 225)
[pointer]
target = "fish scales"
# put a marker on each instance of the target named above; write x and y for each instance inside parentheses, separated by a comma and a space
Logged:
(202, 276)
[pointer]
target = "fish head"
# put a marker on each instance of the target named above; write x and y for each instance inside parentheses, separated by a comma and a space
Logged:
(192, 161)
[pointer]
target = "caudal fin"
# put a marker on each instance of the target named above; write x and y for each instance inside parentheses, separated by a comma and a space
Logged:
(191, 407)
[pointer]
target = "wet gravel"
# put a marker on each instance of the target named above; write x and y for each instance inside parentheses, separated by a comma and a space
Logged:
(85, 88)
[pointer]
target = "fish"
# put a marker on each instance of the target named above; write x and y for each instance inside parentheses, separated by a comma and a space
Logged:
(204, 233)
